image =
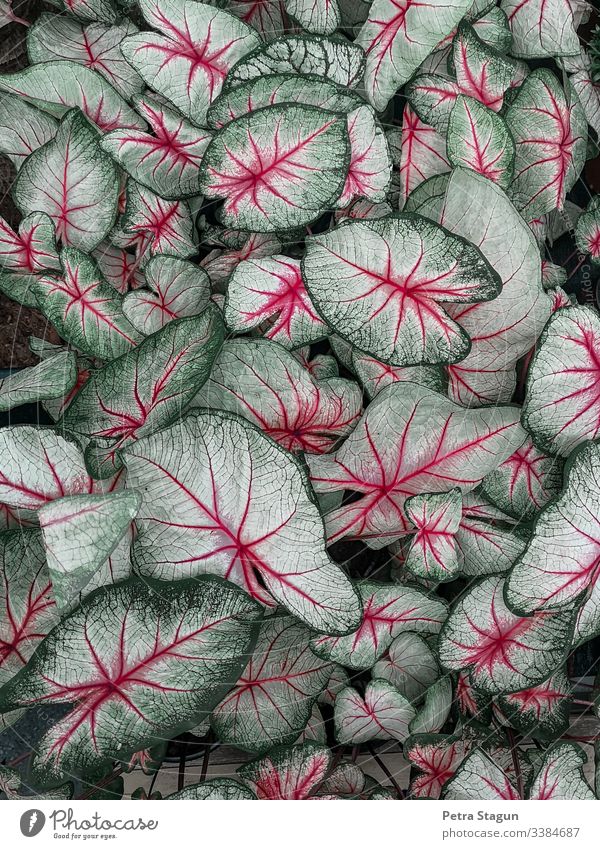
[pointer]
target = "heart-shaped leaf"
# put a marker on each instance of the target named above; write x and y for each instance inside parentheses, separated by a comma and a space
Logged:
(409, 665)
(383, 714)
(542, 711)
(433, 552)
(479, 139)
(541, 28)
(560, 775)
(480, 778)
(23, 128)
(288, 773)
(437, 757)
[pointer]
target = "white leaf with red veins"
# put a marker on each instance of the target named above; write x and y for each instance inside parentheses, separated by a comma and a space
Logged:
(433, 553)
(86, 311)
(220, 264)
(442, 446)
(90, 10)
(481, 72)
(437, 757)
(432, 715)
(266, 16)
(479, 778)
(221, 497)
(52, 378)
(28, 609)
(479, 139)
(97, 46)
(336, 59)
(155, 382)
(561, 775)
(288, 773)
(277, 168)
(541, 711)
(154, 225)
(587, 623)
(188, 62)
(56, 87)
(272, 89)
(265, 383)
(432, 97)
(168, 162)
(135, 661)
(73, 181)
(587, 230)
(176, 289)
(216, 789)
(370, 168)
(525, 482)
(562, 403)
(381, 284)
(39, 466)
(486, 538)
(269, 294)
(397, 36)
(492, 27)
(375, 375)
(118, 267)
(504, 652)
(388, 611)
(561, 564)
(423, 153)
(409, 665)
(272, 701)
(23, 254)
(550, 133)
(588, 91)
(23, 128)
(542, 28)
(383, 714)
(504, 329)
(101, 521)
(318, 16)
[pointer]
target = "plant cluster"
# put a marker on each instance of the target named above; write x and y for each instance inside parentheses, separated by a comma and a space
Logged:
(324, 468)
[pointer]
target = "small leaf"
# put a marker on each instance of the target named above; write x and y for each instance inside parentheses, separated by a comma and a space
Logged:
(540, 711)
(23, 128)
(288, 773)
(479, 778)
(383, 714)
(409, 666)
(479, 139)
(560, 775)
(370, 166)
(52, 378)
(433, 552)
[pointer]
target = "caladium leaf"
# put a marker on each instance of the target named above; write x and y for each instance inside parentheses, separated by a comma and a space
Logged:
(375, 375)
(272, 701)
(381, 284)
(277, 168)
(433, 552)
(268, 18)
(318, 16)
(176, 289)
(39, 465)
(562, 560)
(388, 611)
(28, 608)
(86, 311)
(267, 385)
(479, 139)
(560, 775)
(541, 28)
(189, 60)
(505, 329)
(525, 482)
(550, 133)
(562, 407)
(383, 714)
(89, 10)
(118, 267)
(423, 153)
(168, 162)
(409, 665)
(237, 505)
(432, 716)
(437, 757)
(309, 89)
(220, 263)
(432, 97)
(315, 730)
(24, 254)
(587, 230)
(52, 378)
(370, 166)
(155, 225)
(480, 778)
(156, 381)
(541, 711)
(59, 86)
(217, 788)
(336, 59)
(397, 36)
(288, 773)
(137, 660)
(72, 181)
(96, 46)
(270, 292)
(23, 128)
(442, 446)
(100, 520)
(486, 539)
(481, 72)
(504, 652)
